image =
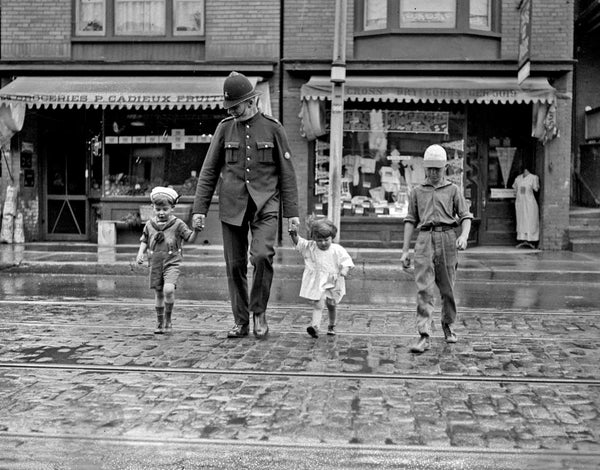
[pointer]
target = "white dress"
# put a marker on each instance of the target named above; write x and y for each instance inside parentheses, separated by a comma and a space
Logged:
(321, 270)
(528, 217)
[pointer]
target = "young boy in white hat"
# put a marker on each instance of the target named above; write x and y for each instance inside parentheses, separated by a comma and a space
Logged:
(436, 207)
(163, 238)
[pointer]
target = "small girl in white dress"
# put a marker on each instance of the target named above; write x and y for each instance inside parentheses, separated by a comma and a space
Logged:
(326, 265)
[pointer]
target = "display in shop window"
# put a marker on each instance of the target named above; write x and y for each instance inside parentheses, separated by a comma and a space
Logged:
(147, 149)
(383, 158)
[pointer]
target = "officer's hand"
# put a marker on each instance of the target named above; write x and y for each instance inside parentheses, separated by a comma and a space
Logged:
(293, 223)
(461, 243)
(198, 222)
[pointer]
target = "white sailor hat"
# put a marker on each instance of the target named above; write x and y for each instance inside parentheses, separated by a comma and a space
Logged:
(169, 193)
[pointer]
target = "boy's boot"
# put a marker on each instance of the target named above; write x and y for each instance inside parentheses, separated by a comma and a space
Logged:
(160, 316)
(168, 312)
(422, 344)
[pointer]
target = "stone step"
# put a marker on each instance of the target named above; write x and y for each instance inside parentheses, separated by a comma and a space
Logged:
(584, 221)
(585, 245)
(584, 231)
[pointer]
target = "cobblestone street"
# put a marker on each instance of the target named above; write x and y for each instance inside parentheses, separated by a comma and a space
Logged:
(86, 384)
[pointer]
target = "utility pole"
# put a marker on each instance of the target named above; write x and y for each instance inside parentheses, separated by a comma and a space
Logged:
(338, 77)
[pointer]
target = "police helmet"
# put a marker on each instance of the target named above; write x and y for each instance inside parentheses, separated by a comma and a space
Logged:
(236, 89)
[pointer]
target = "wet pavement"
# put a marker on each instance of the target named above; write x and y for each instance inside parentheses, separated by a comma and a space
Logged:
(84, 383)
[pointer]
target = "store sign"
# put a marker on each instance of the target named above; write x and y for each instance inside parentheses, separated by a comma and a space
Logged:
(116, 100)
(410, 122)
(524, 41)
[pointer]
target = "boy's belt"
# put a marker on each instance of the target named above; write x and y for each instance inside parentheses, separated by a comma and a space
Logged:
(437, 228)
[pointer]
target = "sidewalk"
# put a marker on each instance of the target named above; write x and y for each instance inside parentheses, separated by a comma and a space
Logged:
(479, 263)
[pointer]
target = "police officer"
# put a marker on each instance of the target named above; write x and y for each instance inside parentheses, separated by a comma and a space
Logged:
(250, 157)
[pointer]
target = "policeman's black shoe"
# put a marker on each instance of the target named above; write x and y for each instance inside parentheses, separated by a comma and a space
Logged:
(450, 337)
(238, 331)
(313, 331)
(260, 325)
(422, 345)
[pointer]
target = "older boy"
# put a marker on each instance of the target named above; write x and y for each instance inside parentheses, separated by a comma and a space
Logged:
(433, 209)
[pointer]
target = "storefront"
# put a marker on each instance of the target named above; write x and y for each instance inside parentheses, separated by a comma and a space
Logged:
(93, 148)
(485, 125)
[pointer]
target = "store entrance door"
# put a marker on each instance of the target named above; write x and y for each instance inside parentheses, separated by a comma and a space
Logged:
(62, 139)
(504, 149)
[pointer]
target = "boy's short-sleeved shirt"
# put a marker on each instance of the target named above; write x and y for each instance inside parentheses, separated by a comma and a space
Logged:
(429, 205)
(174, 236)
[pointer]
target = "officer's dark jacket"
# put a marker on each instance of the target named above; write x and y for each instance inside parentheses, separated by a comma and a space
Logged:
(248, 159)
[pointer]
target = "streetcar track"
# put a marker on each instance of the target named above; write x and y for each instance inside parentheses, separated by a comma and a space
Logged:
(274, 306)
(299, 374)
(387, 448)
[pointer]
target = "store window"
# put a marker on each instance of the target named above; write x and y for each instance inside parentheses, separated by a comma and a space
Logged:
(450, 15)
(139, 18)
(148, 149)
(383, 157)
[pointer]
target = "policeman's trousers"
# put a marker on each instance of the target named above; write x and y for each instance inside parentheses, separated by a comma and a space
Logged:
(263, 231)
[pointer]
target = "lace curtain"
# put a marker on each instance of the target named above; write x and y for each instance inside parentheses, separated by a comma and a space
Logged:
(140, 17)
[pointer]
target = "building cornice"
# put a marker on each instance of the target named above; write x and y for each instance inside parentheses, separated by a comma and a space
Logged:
(302, 67)
(20, 67)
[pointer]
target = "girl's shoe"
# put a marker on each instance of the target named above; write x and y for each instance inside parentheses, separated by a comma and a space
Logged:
(313, 331)
(331, 330)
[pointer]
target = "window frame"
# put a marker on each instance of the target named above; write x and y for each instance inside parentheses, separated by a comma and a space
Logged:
(109, 34)
(393, 21)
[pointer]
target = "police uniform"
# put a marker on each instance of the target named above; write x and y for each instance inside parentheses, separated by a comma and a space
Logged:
(251, 162)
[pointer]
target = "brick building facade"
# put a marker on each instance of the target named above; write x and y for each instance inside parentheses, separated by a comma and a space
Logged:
(287, 47)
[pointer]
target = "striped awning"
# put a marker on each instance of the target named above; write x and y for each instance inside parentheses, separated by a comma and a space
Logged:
(483, 90)
(117, 92)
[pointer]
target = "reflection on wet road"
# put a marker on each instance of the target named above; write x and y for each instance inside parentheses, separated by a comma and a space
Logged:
(473, 294)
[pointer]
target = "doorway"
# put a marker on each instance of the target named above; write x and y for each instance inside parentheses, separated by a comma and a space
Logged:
(64, 148)
(504, 149)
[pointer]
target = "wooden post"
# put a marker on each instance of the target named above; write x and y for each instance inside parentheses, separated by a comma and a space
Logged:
(338, 77)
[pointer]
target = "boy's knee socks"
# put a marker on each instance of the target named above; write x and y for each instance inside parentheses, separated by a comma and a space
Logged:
(168, 311)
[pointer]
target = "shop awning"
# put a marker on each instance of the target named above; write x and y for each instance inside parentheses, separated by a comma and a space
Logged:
(434, 89)
(117, 92)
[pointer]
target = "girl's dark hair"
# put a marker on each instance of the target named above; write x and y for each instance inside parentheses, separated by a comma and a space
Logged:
(321, 227)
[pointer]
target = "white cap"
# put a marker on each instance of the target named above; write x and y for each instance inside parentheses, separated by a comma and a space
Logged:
(170, 194)
(434, 157)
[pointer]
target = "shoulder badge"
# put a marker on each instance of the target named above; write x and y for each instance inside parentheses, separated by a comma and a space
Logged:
(271, 118)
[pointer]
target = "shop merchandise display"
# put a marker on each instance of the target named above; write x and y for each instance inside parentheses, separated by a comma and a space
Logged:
(382, 159)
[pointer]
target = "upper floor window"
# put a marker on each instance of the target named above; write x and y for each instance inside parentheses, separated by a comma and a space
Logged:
(480, 14)
(451, 15)
(375, 14)
(153, 18)
(430, 14)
